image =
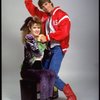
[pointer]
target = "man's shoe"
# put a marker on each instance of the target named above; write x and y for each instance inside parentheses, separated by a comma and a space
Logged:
(69, 92)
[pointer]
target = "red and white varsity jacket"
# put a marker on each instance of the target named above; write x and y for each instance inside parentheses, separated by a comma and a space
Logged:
(60, 24)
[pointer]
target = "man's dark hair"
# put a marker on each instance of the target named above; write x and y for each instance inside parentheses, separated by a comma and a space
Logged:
(40, 2)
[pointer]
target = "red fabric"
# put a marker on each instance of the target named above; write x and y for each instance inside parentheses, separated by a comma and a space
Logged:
(69, 92)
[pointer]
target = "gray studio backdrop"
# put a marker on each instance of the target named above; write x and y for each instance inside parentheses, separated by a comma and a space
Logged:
(80, 64)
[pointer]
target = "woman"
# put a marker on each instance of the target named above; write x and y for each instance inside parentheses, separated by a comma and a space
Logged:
(33, 54)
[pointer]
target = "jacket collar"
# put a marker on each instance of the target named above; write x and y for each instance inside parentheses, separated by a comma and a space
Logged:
(54, 10)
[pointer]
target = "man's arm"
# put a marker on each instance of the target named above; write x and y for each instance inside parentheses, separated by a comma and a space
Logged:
(62, 32)
(62, 27)
(33, 10)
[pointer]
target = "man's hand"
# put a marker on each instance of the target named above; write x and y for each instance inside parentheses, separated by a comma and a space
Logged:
(42, 38)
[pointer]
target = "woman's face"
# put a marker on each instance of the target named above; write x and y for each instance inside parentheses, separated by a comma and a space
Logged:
(35, 29)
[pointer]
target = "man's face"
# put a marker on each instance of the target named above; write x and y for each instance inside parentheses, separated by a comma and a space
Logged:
(47, 7)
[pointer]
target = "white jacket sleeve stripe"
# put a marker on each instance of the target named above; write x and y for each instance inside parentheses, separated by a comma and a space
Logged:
(48, 36)
(55, 10)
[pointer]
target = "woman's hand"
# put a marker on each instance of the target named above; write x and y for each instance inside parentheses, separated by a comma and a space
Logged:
(42, 38)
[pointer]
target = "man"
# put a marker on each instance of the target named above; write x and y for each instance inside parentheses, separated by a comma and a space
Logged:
(56, 25)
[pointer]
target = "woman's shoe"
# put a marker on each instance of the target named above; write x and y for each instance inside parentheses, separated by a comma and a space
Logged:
(55, 93)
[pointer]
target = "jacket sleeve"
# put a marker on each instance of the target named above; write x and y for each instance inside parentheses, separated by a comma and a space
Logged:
(33, 10)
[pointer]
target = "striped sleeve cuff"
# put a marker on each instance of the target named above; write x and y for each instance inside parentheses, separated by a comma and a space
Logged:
(48, 37)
